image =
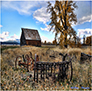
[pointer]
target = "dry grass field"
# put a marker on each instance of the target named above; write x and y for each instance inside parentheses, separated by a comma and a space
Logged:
(12, 79)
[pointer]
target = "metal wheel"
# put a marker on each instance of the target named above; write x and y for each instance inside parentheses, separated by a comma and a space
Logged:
(18, 61)
(30, 63)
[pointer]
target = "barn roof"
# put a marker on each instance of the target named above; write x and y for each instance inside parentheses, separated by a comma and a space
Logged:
(31, 34)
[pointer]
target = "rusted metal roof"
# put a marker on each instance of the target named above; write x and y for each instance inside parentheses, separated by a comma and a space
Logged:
(31, 34)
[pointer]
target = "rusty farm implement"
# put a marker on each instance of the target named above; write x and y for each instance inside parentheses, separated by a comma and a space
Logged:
(56, 70)
(26, 61)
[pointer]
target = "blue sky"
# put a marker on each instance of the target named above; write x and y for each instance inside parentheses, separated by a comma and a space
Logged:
(15, 15)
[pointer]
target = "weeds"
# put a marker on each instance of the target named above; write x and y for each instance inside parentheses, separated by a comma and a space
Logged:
(12, 79)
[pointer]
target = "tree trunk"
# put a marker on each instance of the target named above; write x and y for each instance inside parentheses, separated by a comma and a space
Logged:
(65, 27)
(65, 41)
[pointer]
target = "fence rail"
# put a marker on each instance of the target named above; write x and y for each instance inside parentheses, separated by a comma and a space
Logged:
(48, 69)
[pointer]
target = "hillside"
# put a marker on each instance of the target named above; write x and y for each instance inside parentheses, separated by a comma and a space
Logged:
(10, 42)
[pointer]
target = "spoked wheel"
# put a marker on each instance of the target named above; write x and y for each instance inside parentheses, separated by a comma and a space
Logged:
(29, 62)
(27, 58)
(18, 61)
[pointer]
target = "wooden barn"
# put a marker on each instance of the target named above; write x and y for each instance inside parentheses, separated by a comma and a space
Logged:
(30, 37)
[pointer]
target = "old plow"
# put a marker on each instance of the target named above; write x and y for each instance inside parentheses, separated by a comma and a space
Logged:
(57, 71)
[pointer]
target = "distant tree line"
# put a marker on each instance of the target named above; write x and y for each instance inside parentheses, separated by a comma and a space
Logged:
(73, 43)
(87, 40)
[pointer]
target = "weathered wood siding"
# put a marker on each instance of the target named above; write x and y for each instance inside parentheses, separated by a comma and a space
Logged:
(30, 37)
(33, 42)
(22, 39)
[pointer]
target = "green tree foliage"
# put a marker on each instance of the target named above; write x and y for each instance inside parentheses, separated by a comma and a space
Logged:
(62, 18)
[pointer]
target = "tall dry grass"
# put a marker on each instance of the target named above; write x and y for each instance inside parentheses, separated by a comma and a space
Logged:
(12, 79)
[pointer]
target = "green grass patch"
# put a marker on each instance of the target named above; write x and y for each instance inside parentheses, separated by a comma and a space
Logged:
(7, 47)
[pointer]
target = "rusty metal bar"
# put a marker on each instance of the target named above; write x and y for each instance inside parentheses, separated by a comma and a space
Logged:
(85, 57)
(54, 70)
(41, 71)
(35, 69)
(51, 69)
(59, 72)
(71, 71)
(42, 66)
(51, 63)
(46, 71)
(37, 73)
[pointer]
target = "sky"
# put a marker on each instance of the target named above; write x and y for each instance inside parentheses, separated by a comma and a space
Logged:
(15, 15)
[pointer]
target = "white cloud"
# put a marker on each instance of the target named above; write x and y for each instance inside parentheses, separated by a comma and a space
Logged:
(83, 15)
(43, 38)
(47, 28)
(83, 12)
(86, 32)
(14, 37)
(1, 26)
(23, 7)
(5, 37)
(41, 15)
(85, 19)
(26, 0)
